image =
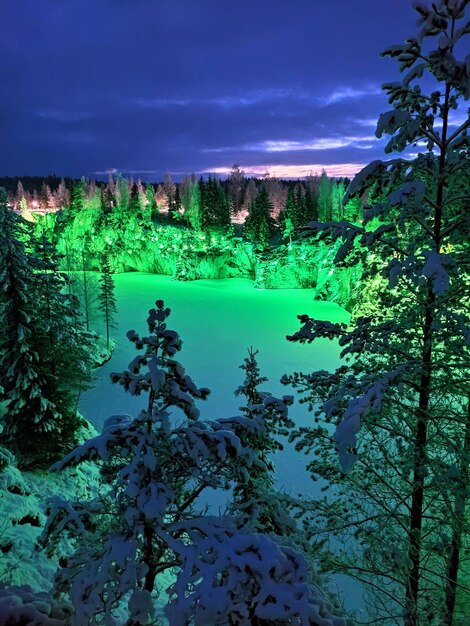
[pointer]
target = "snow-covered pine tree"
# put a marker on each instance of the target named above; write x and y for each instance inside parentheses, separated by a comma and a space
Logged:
(32, 421)
(64, 347)
(20, 605)
(255, 498)
(400, 401)
(107, 300)
(152, 518)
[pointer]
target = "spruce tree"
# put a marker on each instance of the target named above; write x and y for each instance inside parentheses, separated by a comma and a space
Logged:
(42, 353)
(106, 207)
(216, 209)
(287, 217)
(107, 300)
(64, 346)
(311, 209)
(135, 204)
(259, 224)
(151, 209)
(300, 207)
(30, 413)
(78, 198)
(174, 209)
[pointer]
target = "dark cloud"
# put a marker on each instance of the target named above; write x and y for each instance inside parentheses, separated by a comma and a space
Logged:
(155, 85)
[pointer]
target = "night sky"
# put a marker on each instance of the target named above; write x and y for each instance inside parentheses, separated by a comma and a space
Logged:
(148, 86)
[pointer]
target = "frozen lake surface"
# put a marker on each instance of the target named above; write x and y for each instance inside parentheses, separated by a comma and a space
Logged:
(218, 320)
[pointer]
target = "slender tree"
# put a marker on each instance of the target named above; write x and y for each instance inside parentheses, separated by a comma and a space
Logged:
(259, 224)
(401, 402)
(135, 203)
(107, 300)
(169, 189)
(325, 207)
(216, 212)
(78, 198)
(151, 208)
(236, 189)
(44, 355)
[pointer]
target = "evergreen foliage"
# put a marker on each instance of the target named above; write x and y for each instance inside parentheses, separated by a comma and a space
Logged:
(151, 208)
(400, 401)
(44, 353)
(325, 202)
(135, 204)
(107, 300)
(157, 467)
(216, 211)
(78, 198)
(194, 213)
(259, 224)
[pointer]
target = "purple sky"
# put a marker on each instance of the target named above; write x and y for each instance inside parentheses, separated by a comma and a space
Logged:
(148, 86)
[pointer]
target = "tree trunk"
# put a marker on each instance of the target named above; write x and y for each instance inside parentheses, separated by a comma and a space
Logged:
(458, 528)
(420, 441)
(419, 465)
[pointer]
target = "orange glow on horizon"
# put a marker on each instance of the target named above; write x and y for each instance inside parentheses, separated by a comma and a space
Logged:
(338, 170)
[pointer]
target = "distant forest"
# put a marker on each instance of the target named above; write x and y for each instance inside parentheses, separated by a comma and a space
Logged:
(317, 196)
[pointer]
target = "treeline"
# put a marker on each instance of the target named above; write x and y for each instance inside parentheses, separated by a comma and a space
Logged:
(199, 228)
(197, 202)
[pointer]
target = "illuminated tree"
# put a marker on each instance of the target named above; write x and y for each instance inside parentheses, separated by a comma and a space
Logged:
(353, 210)
(337, 197)
(20, 193)
(259, 224)
(325, 207)
(44, 196)
(400, 403)
(277, 193)
(169, 189)
(193, 213)
(216, 213)
(86, 285)
(151, 207)
(287, 217)
(135, 202)
(78, 198)
(107, 300)
(106, 206)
